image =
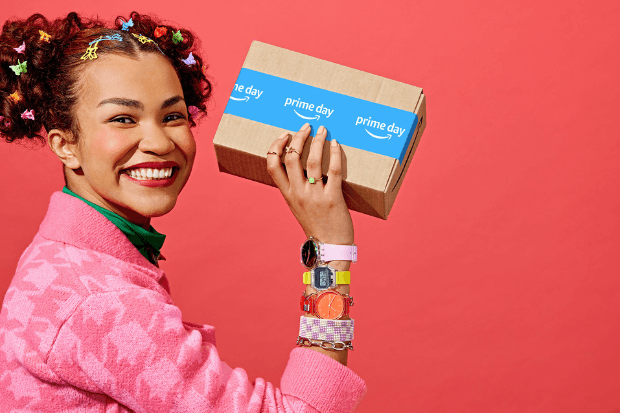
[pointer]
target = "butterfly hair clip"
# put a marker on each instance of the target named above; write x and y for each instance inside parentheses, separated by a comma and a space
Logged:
(177, 37)
(190, 60)
(44, 36)
(20, 49)
(19, 68)
(126, 25)
(28, 114)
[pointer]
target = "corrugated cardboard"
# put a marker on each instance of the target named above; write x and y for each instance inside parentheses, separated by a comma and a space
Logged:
(371, 181)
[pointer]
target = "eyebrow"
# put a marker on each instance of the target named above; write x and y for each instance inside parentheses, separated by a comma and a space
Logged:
(122, 102)
(172, 101)
(139, 105)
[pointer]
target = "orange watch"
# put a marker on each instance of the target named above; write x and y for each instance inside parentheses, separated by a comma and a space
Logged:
(326, 304)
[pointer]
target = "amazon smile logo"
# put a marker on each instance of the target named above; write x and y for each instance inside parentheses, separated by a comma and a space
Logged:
(393, 129)
(249, 91)
(318, 109)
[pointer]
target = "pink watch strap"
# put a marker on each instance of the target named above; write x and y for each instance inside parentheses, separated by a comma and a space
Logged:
(330, 252)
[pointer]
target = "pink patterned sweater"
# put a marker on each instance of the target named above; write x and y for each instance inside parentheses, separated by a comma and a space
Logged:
(88, 325)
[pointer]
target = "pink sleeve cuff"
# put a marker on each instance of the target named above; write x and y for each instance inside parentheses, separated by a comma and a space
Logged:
(322, 382)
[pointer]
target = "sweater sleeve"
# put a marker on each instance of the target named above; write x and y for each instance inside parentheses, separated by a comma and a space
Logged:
(133, 346)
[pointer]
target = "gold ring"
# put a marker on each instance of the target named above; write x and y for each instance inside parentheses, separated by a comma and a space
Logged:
(272, 153)
(314, 180)
(289, 150)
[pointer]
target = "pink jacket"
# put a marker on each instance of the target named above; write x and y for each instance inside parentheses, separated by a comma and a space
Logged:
(88, 325)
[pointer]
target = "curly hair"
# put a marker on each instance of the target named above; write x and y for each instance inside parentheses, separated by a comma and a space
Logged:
(50, 83)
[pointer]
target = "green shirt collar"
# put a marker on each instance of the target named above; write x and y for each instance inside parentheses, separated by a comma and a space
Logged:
(147, 241)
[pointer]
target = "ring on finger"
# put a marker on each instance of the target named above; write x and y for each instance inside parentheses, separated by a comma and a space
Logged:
(314, 180)
(290, 150)
(273, 153)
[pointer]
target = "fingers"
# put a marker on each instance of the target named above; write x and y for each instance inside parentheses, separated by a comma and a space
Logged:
(274, 164)
(334, 174)
(315, 157)
(292, 160)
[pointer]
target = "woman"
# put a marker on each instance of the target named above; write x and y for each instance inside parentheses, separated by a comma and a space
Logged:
(88, 323)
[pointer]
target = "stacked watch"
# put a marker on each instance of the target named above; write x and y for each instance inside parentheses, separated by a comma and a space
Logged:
(328, 330)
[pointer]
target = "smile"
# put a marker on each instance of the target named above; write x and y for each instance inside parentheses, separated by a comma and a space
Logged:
(144, 174)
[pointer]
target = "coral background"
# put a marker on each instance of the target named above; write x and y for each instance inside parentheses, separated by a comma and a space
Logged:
(494, 284)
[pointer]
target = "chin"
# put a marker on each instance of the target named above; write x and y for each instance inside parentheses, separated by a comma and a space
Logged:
(151, 207)
(156, 210)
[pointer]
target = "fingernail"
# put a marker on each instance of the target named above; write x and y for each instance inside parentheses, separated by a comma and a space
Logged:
(285, 136)
(306, 126)
(334, 143)
(321, 129)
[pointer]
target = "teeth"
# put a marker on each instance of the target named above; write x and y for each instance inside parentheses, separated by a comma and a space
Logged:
(148, 173)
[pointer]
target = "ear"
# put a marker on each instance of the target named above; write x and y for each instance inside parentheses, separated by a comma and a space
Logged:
(63, 144)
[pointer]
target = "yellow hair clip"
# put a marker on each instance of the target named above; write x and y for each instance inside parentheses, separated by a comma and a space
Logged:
(91, 51)
(142, 38)
(44, 36)
(15, 97)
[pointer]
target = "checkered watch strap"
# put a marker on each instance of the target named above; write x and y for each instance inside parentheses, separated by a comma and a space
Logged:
(328, 330)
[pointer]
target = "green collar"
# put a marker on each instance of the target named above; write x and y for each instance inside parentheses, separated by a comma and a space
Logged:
(148, 242)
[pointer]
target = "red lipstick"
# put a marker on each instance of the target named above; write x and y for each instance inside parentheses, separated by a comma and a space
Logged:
(153, 165)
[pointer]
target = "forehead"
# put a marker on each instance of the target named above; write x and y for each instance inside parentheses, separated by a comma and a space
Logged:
(148, 77)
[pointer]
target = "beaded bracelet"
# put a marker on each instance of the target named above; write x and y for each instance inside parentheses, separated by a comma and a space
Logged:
(327, 330)
(328, 345)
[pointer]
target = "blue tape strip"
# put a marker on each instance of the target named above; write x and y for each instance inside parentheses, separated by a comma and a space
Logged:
(351, 121)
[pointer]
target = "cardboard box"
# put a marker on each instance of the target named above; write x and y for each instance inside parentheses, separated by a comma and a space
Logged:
(377, 121)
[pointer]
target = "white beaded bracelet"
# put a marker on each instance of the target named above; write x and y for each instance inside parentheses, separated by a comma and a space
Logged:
(326, 330)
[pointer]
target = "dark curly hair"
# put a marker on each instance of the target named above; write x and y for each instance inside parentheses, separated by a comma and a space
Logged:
(50, 84)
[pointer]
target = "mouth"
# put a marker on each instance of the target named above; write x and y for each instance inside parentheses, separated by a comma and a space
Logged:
(150, 174)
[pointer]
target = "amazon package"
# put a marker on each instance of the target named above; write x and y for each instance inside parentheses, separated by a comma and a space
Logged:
(377, 121)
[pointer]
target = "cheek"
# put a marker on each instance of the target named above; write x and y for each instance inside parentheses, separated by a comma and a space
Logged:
(110, 147)
(187, 145)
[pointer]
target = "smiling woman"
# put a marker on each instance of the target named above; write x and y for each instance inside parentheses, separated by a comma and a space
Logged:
(88, 323)
(132, 113)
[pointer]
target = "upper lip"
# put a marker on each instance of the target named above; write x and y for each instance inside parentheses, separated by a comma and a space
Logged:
(153, 165)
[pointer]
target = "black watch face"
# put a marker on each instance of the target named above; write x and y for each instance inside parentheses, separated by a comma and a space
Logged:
(322, 278)
(308, 254)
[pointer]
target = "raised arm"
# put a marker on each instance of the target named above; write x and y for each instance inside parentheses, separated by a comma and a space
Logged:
(319, 207)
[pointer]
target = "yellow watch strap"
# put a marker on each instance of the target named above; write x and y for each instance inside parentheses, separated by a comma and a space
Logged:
(342, 277)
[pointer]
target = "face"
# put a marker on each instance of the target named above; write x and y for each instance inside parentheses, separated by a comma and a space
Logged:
(135, 150)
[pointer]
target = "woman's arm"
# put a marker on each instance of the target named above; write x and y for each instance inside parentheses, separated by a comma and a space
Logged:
(132, 346)
(320, 208)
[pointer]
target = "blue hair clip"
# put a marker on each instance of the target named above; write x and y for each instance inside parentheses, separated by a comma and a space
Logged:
(91, 51)
(116, 37)
(127, 25)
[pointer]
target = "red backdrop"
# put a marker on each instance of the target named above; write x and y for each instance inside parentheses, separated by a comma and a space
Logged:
(493, 286)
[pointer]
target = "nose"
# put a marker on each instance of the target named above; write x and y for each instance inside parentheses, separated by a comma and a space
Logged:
(156, 141)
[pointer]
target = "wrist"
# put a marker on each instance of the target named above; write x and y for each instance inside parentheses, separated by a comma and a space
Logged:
(340, 265)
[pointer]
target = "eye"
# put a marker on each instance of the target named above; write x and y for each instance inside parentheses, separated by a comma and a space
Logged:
(173, 116)
(122, 119)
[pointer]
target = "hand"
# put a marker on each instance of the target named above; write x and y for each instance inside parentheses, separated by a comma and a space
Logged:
(319, 208)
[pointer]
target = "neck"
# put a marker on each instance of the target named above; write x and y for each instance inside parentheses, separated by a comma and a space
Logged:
(128, 214)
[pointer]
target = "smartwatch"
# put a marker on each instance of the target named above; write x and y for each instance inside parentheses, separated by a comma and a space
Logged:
(324, 277)
(315, 252)
(327, 304)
